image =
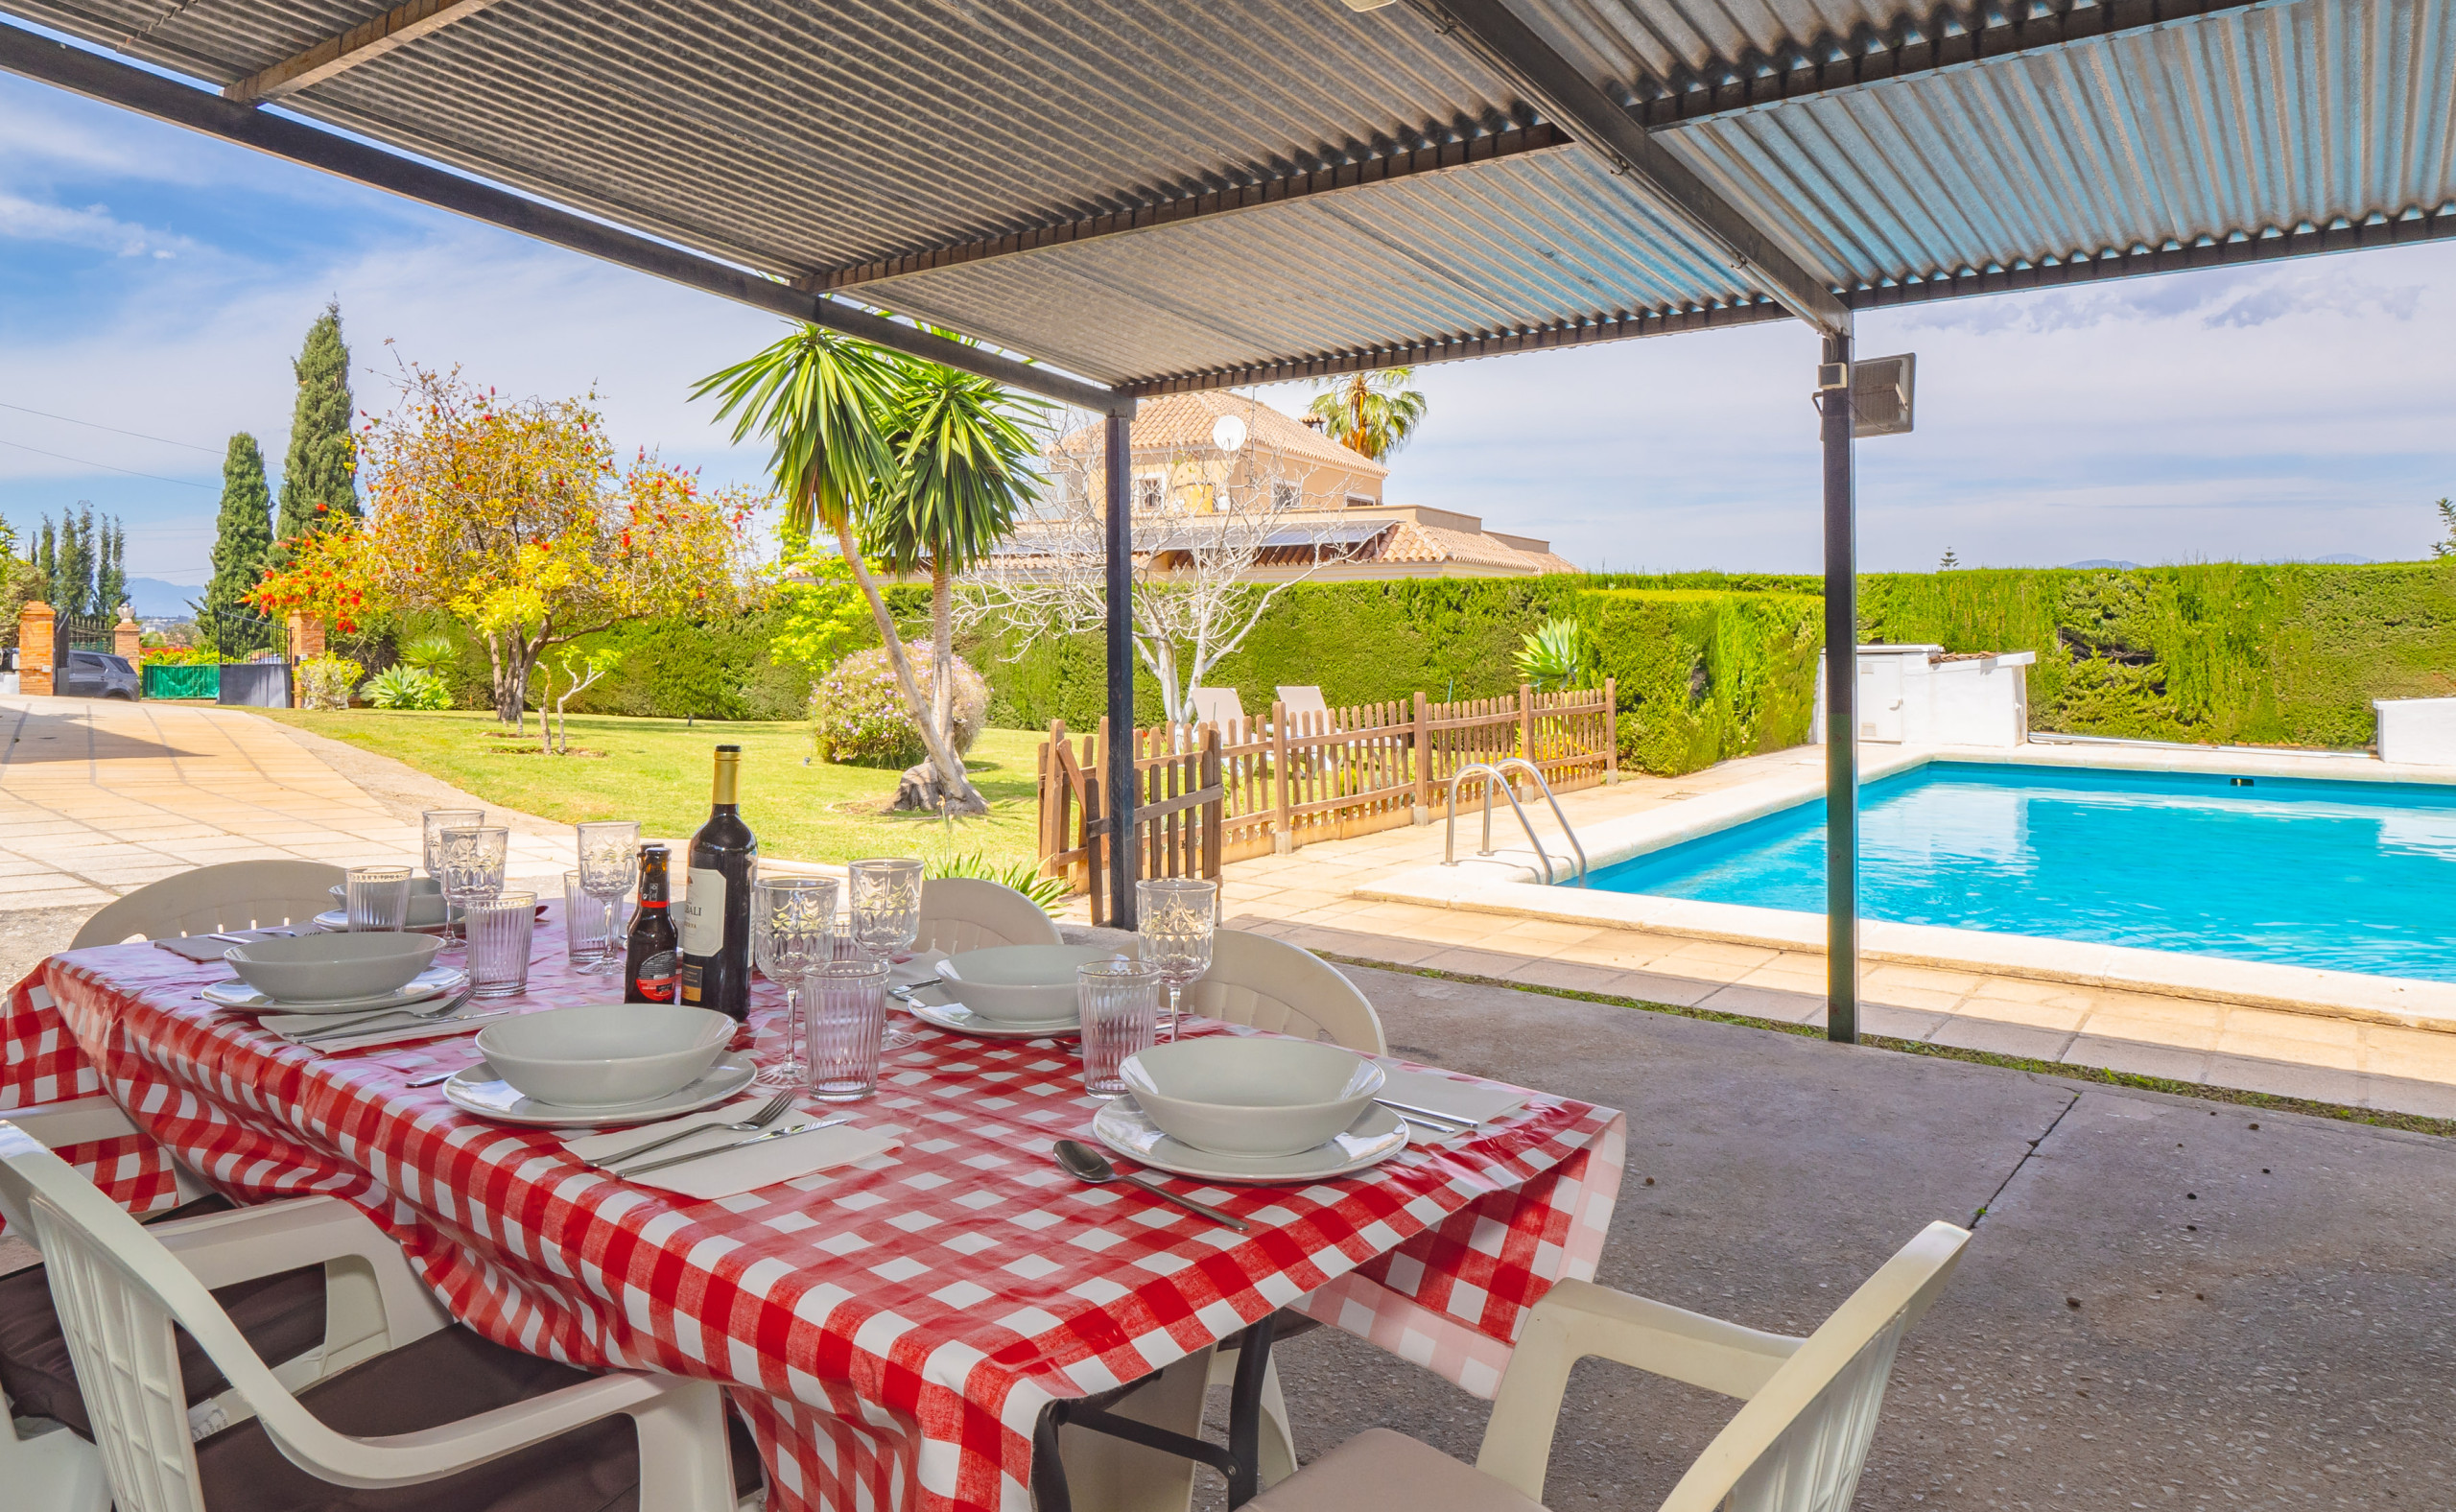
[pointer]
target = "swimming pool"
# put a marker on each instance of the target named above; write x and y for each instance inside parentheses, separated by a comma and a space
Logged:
(2350, 876)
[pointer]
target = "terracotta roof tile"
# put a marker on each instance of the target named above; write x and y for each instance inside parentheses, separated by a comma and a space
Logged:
(1182, 423)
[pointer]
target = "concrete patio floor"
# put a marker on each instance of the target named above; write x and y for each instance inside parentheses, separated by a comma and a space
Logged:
(1320, 897)
(2168, 1302)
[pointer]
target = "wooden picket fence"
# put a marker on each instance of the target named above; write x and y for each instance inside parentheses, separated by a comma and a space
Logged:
(1216, 793)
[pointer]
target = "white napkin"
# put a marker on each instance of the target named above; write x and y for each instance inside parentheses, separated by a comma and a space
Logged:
(392, 1029)
(745, 1170)
(1471, 1102)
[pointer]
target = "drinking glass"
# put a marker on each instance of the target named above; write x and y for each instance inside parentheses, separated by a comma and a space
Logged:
(468, 864)
(592, 928)
(376, 898)
(433, 822)
(610, 867)
(1121, 1005)
(792, 932)
(884, 904)
(846, 1001)
(500, 928)
(1176, 915)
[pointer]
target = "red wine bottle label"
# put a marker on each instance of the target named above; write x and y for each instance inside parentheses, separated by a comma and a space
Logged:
(703, 912)
(656, 978)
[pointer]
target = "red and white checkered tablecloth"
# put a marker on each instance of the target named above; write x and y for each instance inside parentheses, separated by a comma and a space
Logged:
(892, 1330)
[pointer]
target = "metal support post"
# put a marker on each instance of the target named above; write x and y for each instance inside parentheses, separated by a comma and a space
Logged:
(1120, 463)
(1841, 701)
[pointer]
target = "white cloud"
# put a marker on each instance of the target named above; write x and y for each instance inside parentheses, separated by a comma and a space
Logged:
(93, 228)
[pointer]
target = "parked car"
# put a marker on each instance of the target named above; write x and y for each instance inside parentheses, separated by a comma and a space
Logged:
(96, 675)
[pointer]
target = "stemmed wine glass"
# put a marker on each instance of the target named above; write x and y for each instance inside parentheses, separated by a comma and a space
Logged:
(884, 906)
(792, 932)
(609, 865)
(468, 865)
(1175, 917)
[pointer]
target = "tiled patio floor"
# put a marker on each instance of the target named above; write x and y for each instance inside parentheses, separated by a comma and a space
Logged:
(98, 797)
(1310, 897)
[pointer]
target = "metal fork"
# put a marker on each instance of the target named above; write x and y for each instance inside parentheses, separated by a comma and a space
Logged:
(768, 1112)
(373, 1023)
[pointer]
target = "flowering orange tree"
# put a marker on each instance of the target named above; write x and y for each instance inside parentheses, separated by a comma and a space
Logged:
(513, 517)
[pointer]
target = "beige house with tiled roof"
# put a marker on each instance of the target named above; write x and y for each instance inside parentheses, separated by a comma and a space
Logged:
(1191, 451)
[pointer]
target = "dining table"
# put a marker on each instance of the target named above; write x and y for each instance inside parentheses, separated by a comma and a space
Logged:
(895, 1332)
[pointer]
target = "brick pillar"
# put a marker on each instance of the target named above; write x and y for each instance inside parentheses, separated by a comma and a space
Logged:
(128, 640)
(33, 647)
(306, 636)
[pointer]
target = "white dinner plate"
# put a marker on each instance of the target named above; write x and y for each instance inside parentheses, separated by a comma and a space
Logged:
(955, 1017)
(490, 1098)
(1372, 1139)
(426, 986)
(336, 921)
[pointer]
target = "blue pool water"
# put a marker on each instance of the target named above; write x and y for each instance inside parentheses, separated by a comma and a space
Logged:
(2343, 874)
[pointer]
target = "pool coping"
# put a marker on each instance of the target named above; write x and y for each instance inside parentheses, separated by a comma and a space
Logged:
(1505, 884)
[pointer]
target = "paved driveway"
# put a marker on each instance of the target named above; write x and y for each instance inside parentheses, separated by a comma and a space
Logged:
(98, 797)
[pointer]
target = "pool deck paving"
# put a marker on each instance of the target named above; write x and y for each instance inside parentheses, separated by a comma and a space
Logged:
(1337, 897)
(2168, 1302)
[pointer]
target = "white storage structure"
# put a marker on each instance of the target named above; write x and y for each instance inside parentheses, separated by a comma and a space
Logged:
(1926, 695)
(2418, 732)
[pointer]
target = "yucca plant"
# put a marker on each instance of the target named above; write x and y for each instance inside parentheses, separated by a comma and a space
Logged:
(1552, 653)
(1024, 876)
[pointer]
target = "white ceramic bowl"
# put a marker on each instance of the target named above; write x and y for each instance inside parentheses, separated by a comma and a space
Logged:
(426, 902)
(318, 968)
(601, 1055)
(1265, 1096)
(1019, 983)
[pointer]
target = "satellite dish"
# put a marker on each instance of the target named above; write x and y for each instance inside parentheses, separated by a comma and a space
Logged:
(1228, 432)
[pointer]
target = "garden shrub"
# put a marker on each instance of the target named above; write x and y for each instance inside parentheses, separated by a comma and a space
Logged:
(858, 716)
(325, 682)
(402, 686)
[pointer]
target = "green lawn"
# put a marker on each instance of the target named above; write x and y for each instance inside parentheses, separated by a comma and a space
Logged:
(657, 770)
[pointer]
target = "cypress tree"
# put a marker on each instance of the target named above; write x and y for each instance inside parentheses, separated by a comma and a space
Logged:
(47, 563)
(242, 545)
(72, 575)
(110, 583)
(320, 475)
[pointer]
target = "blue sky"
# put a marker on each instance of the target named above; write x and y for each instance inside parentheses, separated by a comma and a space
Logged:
(159, 282)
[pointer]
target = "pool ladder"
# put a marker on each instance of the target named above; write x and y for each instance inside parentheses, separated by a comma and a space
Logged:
(1496, 775)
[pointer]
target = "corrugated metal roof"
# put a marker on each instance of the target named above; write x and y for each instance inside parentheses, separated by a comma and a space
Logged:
(809, 138)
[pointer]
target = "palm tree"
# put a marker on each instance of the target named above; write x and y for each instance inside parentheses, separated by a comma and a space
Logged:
(964, 472)
(1374, 413)
(823, 400)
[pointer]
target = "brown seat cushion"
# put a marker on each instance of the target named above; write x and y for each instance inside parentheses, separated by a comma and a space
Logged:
(440, 1379)
(283, 1316)
(1381, 1469)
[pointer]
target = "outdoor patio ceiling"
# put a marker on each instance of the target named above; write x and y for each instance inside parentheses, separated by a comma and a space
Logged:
(1142, 198)
(1162, 197)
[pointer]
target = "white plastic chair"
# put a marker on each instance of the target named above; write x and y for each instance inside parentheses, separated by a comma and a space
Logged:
(1797, 1446)
(232, 895)
(1285, 990)
(961, 913)
(120, 1289)
(1305, 699)
(1219, 706)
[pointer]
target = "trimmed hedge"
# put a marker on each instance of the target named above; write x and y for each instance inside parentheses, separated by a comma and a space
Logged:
(1714, 665)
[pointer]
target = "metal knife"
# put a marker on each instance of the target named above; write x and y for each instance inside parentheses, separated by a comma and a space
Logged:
(755, 1139)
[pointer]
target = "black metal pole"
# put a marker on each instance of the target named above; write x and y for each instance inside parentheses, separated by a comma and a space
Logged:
(1120, 647)
(1841, 701)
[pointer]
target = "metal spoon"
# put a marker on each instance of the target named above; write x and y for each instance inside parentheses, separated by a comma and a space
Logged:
(1083, 1163)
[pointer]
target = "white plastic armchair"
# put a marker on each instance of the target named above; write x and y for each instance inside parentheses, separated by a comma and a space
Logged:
(1797, 1446)
(1285, 990)
(233, 895)
(120, 1289)
(961, 913)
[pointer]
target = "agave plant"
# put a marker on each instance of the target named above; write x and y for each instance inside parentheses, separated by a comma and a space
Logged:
(1552, 653)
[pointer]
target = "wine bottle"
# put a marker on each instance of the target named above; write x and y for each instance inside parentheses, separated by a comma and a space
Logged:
(648, 964)
(716, 907)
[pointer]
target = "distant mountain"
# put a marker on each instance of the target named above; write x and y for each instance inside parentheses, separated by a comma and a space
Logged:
(153, 599)
(2102, 561)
